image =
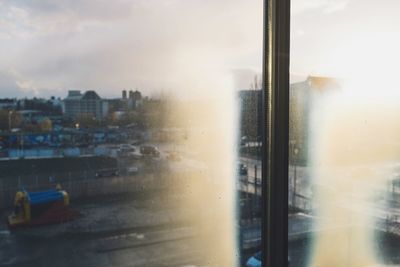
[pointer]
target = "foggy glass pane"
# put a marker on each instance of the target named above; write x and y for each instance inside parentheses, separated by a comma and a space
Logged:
(130, 133)
(344, 134)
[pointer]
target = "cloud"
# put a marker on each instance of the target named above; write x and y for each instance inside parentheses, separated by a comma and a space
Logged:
(27, 19)
(11, 85)
(326, 6)
(113, 45)
(75, 10)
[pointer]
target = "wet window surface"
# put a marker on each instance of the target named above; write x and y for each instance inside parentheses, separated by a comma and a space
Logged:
(130, 133)
(344, 125)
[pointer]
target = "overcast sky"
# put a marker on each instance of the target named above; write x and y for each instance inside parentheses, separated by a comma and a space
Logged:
(345, 38)
(48, 47)
(180, 46)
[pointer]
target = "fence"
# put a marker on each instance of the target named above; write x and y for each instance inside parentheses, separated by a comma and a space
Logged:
(57, 152)
(84, 184)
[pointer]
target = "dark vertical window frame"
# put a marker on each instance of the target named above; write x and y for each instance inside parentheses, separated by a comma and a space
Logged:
(275, 132)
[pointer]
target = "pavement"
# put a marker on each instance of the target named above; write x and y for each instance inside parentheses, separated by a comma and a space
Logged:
(110, 232)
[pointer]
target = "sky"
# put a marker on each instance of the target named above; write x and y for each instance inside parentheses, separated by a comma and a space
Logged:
(353, 131)
(48, 47)
(345, 38)
(181, 46)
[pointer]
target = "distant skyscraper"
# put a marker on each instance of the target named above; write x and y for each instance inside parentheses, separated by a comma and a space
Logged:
(123, 94)
(137, 95)
(251, 114)
(135, 99)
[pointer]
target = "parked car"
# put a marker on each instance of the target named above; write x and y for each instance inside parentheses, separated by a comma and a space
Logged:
(127, 148)
(107, 173)
(149, 150)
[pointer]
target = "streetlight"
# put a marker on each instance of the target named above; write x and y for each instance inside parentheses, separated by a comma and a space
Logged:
(9, 120)
(294, 153)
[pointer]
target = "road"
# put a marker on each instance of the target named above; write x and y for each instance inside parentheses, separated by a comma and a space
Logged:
(153, 230)
(247, 183)
(150, 247)
(110, 232)
(384, 213)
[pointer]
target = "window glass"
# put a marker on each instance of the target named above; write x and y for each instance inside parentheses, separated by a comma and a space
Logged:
(344, 130)
(130, 132)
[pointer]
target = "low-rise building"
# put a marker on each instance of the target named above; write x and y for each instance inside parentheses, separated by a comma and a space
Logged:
(89, 103)
(8, 103)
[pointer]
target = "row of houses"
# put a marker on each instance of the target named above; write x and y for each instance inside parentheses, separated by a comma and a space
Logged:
(76, 104)
(89, 103)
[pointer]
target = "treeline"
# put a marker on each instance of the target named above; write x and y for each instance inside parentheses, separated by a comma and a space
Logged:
(13, 120)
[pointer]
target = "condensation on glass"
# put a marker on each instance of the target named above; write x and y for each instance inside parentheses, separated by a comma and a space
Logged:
(344, 134)
(130, 133)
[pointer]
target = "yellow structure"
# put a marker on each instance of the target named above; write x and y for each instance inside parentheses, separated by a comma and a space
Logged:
(35, 207)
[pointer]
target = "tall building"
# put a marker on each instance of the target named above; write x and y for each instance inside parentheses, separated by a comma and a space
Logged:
(89, 103)
(136, 95)
(124, 96)
(135, 99)
(306, 97)
(251, 114)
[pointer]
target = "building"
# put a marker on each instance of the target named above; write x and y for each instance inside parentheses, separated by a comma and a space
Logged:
(89, 103)
(117, 104)
(8, 103)
(305, 96)
(52, 106)
(56, 102)
(251, 114)
(136, 95)
(135, 99)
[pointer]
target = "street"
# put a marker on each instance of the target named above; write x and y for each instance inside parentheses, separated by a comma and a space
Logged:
(113, 232)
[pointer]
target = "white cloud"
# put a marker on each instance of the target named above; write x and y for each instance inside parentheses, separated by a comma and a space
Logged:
(27, 19)
(112, 45)
(326, 6)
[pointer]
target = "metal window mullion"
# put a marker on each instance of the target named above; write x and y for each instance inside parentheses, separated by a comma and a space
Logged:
(276, 132)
